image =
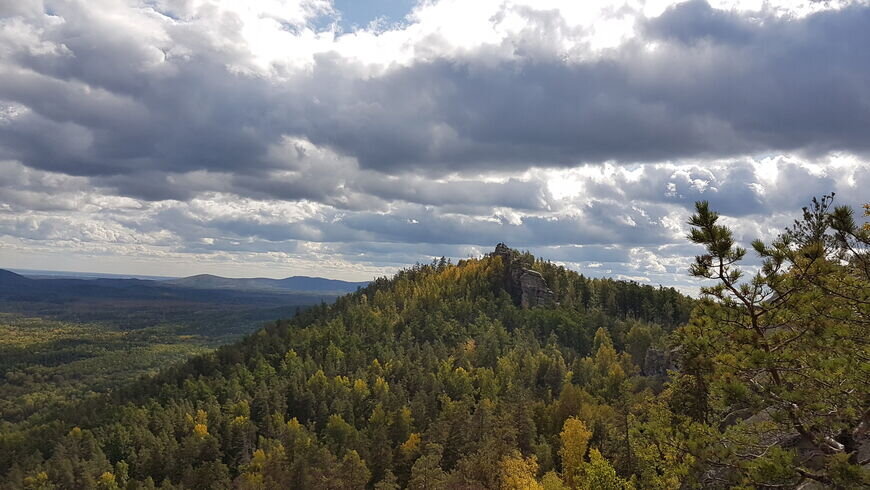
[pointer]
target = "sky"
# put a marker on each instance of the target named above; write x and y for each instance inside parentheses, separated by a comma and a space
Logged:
(348, 139)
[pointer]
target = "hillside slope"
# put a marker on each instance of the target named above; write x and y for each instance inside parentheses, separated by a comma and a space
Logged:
(11, 279)
(443, 376)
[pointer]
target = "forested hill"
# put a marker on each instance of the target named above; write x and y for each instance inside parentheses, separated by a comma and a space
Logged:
(436, 373)
(511, 372)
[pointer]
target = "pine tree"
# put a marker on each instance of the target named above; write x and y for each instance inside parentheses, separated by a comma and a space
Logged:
(788, 345)
(426, 474)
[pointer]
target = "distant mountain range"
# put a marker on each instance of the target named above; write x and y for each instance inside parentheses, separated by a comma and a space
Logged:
(294, 284)
(55, 295)
(49, 274)
(137, 301)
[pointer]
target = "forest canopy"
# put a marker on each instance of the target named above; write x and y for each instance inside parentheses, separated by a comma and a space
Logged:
(444, 377)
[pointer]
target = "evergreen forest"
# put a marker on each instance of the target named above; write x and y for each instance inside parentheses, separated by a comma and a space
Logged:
(442, 376)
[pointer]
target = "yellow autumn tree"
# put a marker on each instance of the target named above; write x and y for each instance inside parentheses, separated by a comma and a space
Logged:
(518, 473)
(575, 438)
(107, 481)
(201, 430)
(551, 481)
(38, 481)
(410, 449)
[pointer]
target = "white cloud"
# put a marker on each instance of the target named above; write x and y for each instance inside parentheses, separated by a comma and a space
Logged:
(258, 137)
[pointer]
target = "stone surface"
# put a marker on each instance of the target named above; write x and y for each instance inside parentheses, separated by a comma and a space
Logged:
(657, 362)
(534, 290)
(527, 287)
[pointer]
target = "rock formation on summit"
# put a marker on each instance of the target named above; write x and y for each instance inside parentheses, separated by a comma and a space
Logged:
(528, 287)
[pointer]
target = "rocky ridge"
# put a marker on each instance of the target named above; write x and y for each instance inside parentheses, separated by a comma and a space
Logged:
(528, 287)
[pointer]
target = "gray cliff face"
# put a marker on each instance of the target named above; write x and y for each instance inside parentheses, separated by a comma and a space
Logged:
(528, 287)
(657, 362)
(534, 290)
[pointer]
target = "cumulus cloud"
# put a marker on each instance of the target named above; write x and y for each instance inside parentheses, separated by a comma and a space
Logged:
(221, 130)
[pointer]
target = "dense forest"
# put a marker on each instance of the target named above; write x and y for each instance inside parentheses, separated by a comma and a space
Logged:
(63, 340)
(45, 363)
(448, 376)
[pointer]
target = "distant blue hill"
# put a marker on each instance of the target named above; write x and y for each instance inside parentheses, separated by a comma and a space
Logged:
(299, 284)
(9, 277)
(49, 274)
(211, 302)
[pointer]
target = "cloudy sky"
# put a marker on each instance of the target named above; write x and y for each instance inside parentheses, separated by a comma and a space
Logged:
(346, 139)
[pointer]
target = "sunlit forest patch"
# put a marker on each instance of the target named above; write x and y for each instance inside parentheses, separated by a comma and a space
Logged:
(46, 362)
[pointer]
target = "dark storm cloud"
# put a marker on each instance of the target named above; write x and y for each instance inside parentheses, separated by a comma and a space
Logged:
(695, 21)
(715, 85)
(110, 102)
(125, 125)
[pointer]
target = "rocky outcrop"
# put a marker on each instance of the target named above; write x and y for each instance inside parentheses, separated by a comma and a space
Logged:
(534, 290)
(657, 362)
(505, 252)
(527, 287)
